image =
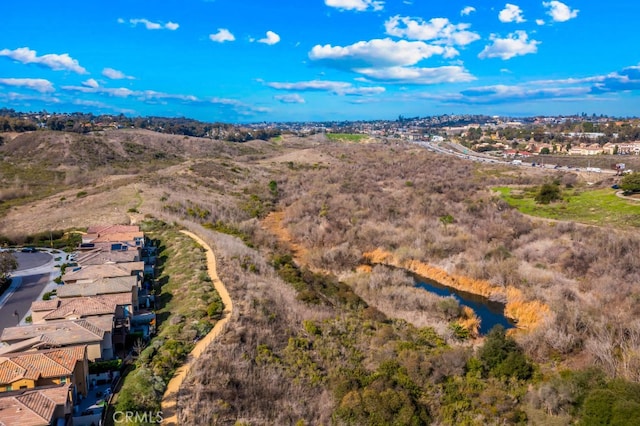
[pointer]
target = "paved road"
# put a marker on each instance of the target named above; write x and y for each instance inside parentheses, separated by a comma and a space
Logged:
(31, 260)
(29, 281)
(29, 290)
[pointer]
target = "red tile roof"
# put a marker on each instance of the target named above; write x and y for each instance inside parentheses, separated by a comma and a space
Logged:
(46, 364)
(80, 307)
(33, 407)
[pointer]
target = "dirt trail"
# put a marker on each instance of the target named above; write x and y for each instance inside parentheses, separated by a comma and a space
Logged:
(273, 223)
(169, 399)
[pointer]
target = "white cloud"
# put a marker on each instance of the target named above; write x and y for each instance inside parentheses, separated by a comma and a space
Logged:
(511, 13)
(336, 87)
(123, 92)
(101, 105)
(171, 26)
(56, 62)
(91, 83)
(358, 5)
(540, 21)
(559, 11)
(222, 35)
(438, 30)
(293, 98)
(25, 98)
(114, 74)
(467, 11)
(414, 75)
(270, 39)
(38, 84)
(238, 106)
(528, 91)
(516, 44)
(378, 53)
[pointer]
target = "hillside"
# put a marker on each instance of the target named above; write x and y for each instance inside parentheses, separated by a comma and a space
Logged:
(321, 334)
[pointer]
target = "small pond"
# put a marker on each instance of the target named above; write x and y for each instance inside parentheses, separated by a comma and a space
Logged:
(490, 313)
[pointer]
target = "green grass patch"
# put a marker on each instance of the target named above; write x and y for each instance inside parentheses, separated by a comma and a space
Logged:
(345, 137)
(185, 296)
(594, 207)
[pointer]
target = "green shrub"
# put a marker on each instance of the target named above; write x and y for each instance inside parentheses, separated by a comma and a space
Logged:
(214, 310)
(502, 357)
(548, 193)
(104, 366)
(597, 407)
(631, 183)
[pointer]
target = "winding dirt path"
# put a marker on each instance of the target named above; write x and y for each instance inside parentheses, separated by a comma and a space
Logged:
(169, 400)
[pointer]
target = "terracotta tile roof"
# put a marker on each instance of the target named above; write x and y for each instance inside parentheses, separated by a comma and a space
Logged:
(58, 333)
(33, 407)
(100, 256)
(116, 237)
(80, 307)
(44, 305)
(95, 272)
(110, 229)
(21, 346)
(99, 286)
(39, 404)
(131, 247)
(10, 371)
(45, 364)
(102, 322)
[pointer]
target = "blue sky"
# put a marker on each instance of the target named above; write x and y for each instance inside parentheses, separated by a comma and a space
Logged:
(299, 60)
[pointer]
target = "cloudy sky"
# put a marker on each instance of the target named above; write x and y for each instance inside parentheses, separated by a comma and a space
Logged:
(298, 60)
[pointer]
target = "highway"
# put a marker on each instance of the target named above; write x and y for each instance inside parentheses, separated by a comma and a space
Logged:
(467, 154)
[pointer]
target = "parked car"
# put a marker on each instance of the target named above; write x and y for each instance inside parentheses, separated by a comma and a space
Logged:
(29, 250)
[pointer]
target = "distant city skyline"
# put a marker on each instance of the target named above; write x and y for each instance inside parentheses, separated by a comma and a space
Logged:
(250, 61)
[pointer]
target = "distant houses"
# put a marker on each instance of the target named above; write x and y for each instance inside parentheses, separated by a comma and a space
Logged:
(103, 304)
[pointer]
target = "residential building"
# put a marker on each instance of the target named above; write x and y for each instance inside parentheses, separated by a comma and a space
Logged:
(29, 370)
(102, 253)
(101, 286)
(38, 407)
(94, 332)
(92, 273)
(119, 305)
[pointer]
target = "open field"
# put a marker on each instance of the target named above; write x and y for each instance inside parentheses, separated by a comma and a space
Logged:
(589, 206)
(346, 137)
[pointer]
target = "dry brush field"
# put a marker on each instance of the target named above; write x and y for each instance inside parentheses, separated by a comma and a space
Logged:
(294, 334)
